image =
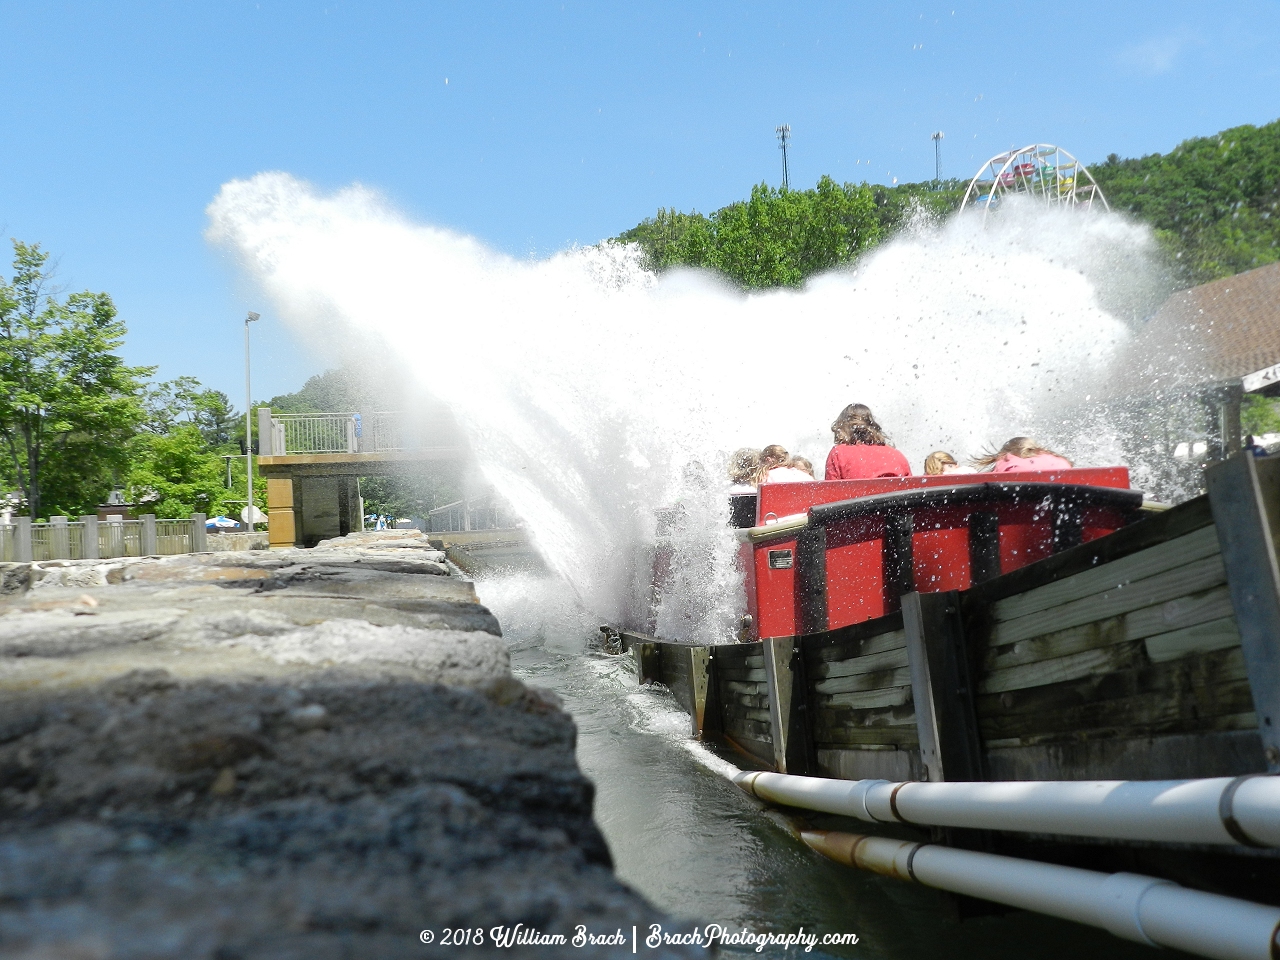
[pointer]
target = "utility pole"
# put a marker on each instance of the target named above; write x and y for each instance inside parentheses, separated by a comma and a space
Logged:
(937, 159)
(784, 137)
(248, 424)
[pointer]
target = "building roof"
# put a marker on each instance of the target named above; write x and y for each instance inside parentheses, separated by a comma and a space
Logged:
(1218, 331)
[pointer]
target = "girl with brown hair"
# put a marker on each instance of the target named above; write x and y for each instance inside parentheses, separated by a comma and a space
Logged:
(861, 449)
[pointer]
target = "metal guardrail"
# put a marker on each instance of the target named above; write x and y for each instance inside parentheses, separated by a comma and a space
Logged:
(382, 431)
(90, 538)
(316, 433)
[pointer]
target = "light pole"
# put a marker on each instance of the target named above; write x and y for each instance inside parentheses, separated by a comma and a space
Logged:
(248, 423)
(937, 159)
(784, 136)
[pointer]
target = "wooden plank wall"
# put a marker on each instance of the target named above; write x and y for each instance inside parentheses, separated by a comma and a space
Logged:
(1081, 676)
(674, 664)
(743, 696)
(862, 717)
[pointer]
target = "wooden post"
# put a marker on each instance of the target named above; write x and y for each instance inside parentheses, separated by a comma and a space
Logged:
(1244, 494)
(148, 546)
(707, 721)
(700, 689)
(89, 549)
(811, 579)
(60, 538)
(22, 539)
(282, 531)
(950, 748)
(792, 750)
(648, 663)
(199, 533)
(777, 671)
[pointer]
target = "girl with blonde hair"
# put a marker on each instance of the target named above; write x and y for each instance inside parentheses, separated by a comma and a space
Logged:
(1019, 455)
(940, 462)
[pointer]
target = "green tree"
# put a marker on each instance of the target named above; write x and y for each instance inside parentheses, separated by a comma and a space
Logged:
(68, 403)
(1214, 201)
(1258, 415)
(776, 238)
(177, 464)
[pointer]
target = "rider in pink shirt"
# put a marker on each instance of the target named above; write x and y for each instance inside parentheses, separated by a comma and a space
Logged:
(1020, 455)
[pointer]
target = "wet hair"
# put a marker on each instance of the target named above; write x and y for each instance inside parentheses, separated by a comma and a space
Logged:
(744, 465)
(857, 424)
(800, 463)
(937, 462)
(774, 455)
(1022, 447)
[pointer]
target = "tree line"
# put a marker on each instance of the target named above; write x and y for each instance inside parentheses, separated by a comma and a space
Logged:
(1213, 203)
(77, 422)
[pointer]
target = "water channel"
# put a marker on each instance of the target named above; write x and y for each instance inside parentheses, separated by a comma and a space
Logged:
(698, 848)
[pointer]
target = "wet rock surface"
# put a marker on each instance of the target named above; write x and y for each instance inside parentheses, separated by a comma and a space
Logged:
(289, 754)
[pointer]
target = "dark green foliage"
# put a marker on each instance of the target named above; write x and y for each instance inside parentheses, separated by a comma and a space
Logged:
(176, 459)
(777, 238)
(899, 204)
(1214, 201)
(1259, 415)
(68, 403)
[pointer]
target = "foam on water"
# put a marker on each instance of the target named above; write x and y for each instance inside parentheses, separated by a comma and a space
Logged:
(593, 392)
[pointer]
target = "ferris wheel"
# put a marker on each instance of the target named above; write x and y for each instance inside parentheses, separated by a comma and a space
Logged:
(1047, 173)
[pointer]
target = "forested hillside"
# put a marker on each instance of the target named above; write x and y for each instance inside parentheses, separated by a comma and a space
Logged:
(1214, 203)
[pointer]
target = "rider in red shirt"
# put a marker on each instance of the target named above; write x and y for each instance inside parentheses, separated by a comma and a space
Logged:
(862, 451)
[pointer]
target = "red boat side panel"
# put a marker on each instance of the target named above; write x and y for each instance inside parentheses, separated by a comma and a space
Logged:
(940, 550)
(855, 560)
(788, 499)
(855, 571)
(776, 614)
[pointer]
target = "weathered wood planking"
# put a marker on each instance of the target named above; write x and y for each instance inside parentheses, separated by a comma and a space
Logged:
(849, 649)
(894, 677)
(1139, 566)
(867, 699)
(1227, 752)
(1190, 611)
(900, 736)
(1169, 585)
(1219, 634)
(1073, 666)
(871, 663)
(1186, 695)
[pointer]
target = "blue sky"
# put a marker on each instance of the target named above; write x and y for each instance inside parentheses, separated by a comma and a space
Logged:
(535, 126)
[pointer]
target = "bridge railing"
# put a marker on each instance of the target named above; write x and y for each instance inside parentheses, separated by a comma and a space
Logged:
(301, 433)
(91, 539)
(383, 431)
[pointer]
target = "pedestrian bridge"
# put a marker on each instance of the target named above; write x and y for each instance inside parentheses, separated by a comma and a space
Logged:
(312, 462)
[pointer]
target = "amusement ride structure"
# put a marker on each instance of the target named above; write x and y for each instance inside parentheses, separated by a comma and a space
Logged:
(1047, 173)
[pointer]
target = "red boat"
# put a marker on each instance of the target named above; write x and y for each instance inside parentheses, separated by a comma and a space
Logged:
(820, 556)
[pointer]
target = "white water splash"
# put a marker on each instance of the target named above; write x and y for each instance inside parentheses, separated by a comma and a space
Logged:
(594, 393)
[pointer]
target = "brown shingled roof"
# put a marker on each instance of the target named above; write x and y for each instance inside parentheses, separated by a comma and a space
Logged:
(1218, 331)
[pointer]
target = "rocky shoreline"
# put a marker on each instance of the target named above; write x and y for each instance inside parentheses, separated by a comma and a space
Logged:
(288, 754)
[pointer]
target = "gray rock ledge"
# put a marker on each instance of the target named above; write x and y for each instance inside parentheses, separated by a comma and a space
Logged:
(289, 754)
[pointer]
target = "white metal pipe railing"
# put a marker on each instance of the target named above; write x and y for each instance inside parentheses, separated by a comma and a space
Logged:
(315, 433)
(1216, 810)
(1131, 906)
